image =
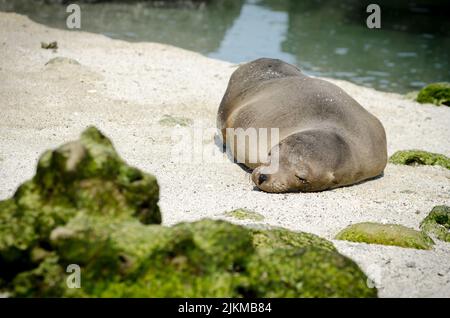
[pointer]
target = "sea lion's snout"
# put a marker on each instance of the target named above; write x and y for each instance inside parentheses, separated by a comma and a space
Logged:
(259, 177)
(269, 182)
(285, 177)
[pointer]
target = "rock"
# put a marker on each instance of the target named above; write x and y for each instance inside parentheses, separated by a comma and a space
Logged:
(51, 45)
(171, 121)
(436, 93)
(62, 60)
(244, 214)
(386, 234)
(410, 264)
(81, 177)
(437, 223)
(200, 259)
(306, 272)
(282, 238)
(419, 157)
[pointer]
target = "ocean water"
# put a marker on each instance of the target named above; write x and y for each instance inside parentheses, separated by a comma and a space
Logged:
(322, 37)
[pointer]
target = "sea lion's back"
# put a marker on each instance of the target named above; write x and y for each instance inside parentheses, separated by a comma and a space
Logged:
(245, 80)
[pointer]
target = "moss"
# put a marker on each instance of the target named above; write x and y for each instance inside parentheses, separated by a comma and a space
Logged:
(281, 238)
(50, 45)
(47, 278)
(171, 121)
(436, 93)
(81, 177)
(419, 157)
(62, 60)
(244, 214)
(386, 234)
(306, 272)
(437, 223)
(201, 259)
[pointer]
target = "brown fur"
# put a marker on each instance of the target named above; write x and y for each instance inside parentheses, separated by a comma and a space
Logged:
(327, 139)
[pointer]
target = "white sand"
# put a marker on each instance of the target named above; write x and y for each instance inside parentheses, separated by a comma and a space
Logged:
(125, 88)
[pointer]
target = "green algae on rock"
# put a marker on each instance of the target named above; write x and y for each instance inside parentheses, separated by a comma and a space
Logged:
(200, 259)
(305, 272)
(172, 121)
(83, 176)
(50, 45)
(386, 234)
(282, 238)
(435, 93)
(437, 223)
(62, 60)
(419, 157)
(244, 214)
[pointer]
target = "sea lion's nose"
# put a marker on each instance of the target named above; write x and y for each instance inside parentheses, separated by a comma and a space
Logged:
(262, 178)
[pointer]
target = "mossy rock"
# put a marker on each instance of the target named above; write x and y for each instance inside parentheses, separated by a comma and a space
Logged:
(386, 234)
(49, 45)
(81, 177)
(419, 157)
(435, 93)
(60, 60)
(200, 259)
(281, 238)
(306, 272)
(437, 223)
(244, 214)
(172, 121)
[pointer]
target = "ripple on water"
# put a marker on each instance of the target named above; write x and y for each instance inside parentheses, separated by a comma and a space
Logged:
(406, 54)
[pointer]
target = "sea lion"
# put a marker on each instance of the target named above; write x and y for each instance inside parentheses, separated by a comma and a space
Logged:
(326, 138)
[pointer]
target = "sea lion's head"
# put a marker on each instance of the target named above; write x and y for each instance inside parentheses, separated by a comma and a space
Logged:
(291, 168)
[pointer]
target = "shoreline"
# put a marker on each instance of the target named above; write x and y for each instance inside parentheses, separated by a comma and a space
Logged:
(125, 89)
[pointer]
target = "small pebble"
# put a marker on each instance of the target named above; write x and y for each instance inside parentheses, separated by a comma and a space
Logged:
(410, 264)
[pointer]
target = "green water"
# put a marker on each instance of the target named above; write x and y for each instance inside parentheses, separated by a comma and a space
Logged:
(325, 38)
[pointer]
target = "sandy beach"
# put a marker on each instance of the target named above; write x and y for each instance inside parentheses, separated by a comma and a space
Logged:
(125, 89)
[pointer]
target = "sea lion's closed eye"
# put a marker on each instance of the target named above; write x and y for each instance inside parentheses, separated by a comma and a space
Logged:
(302, 180)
